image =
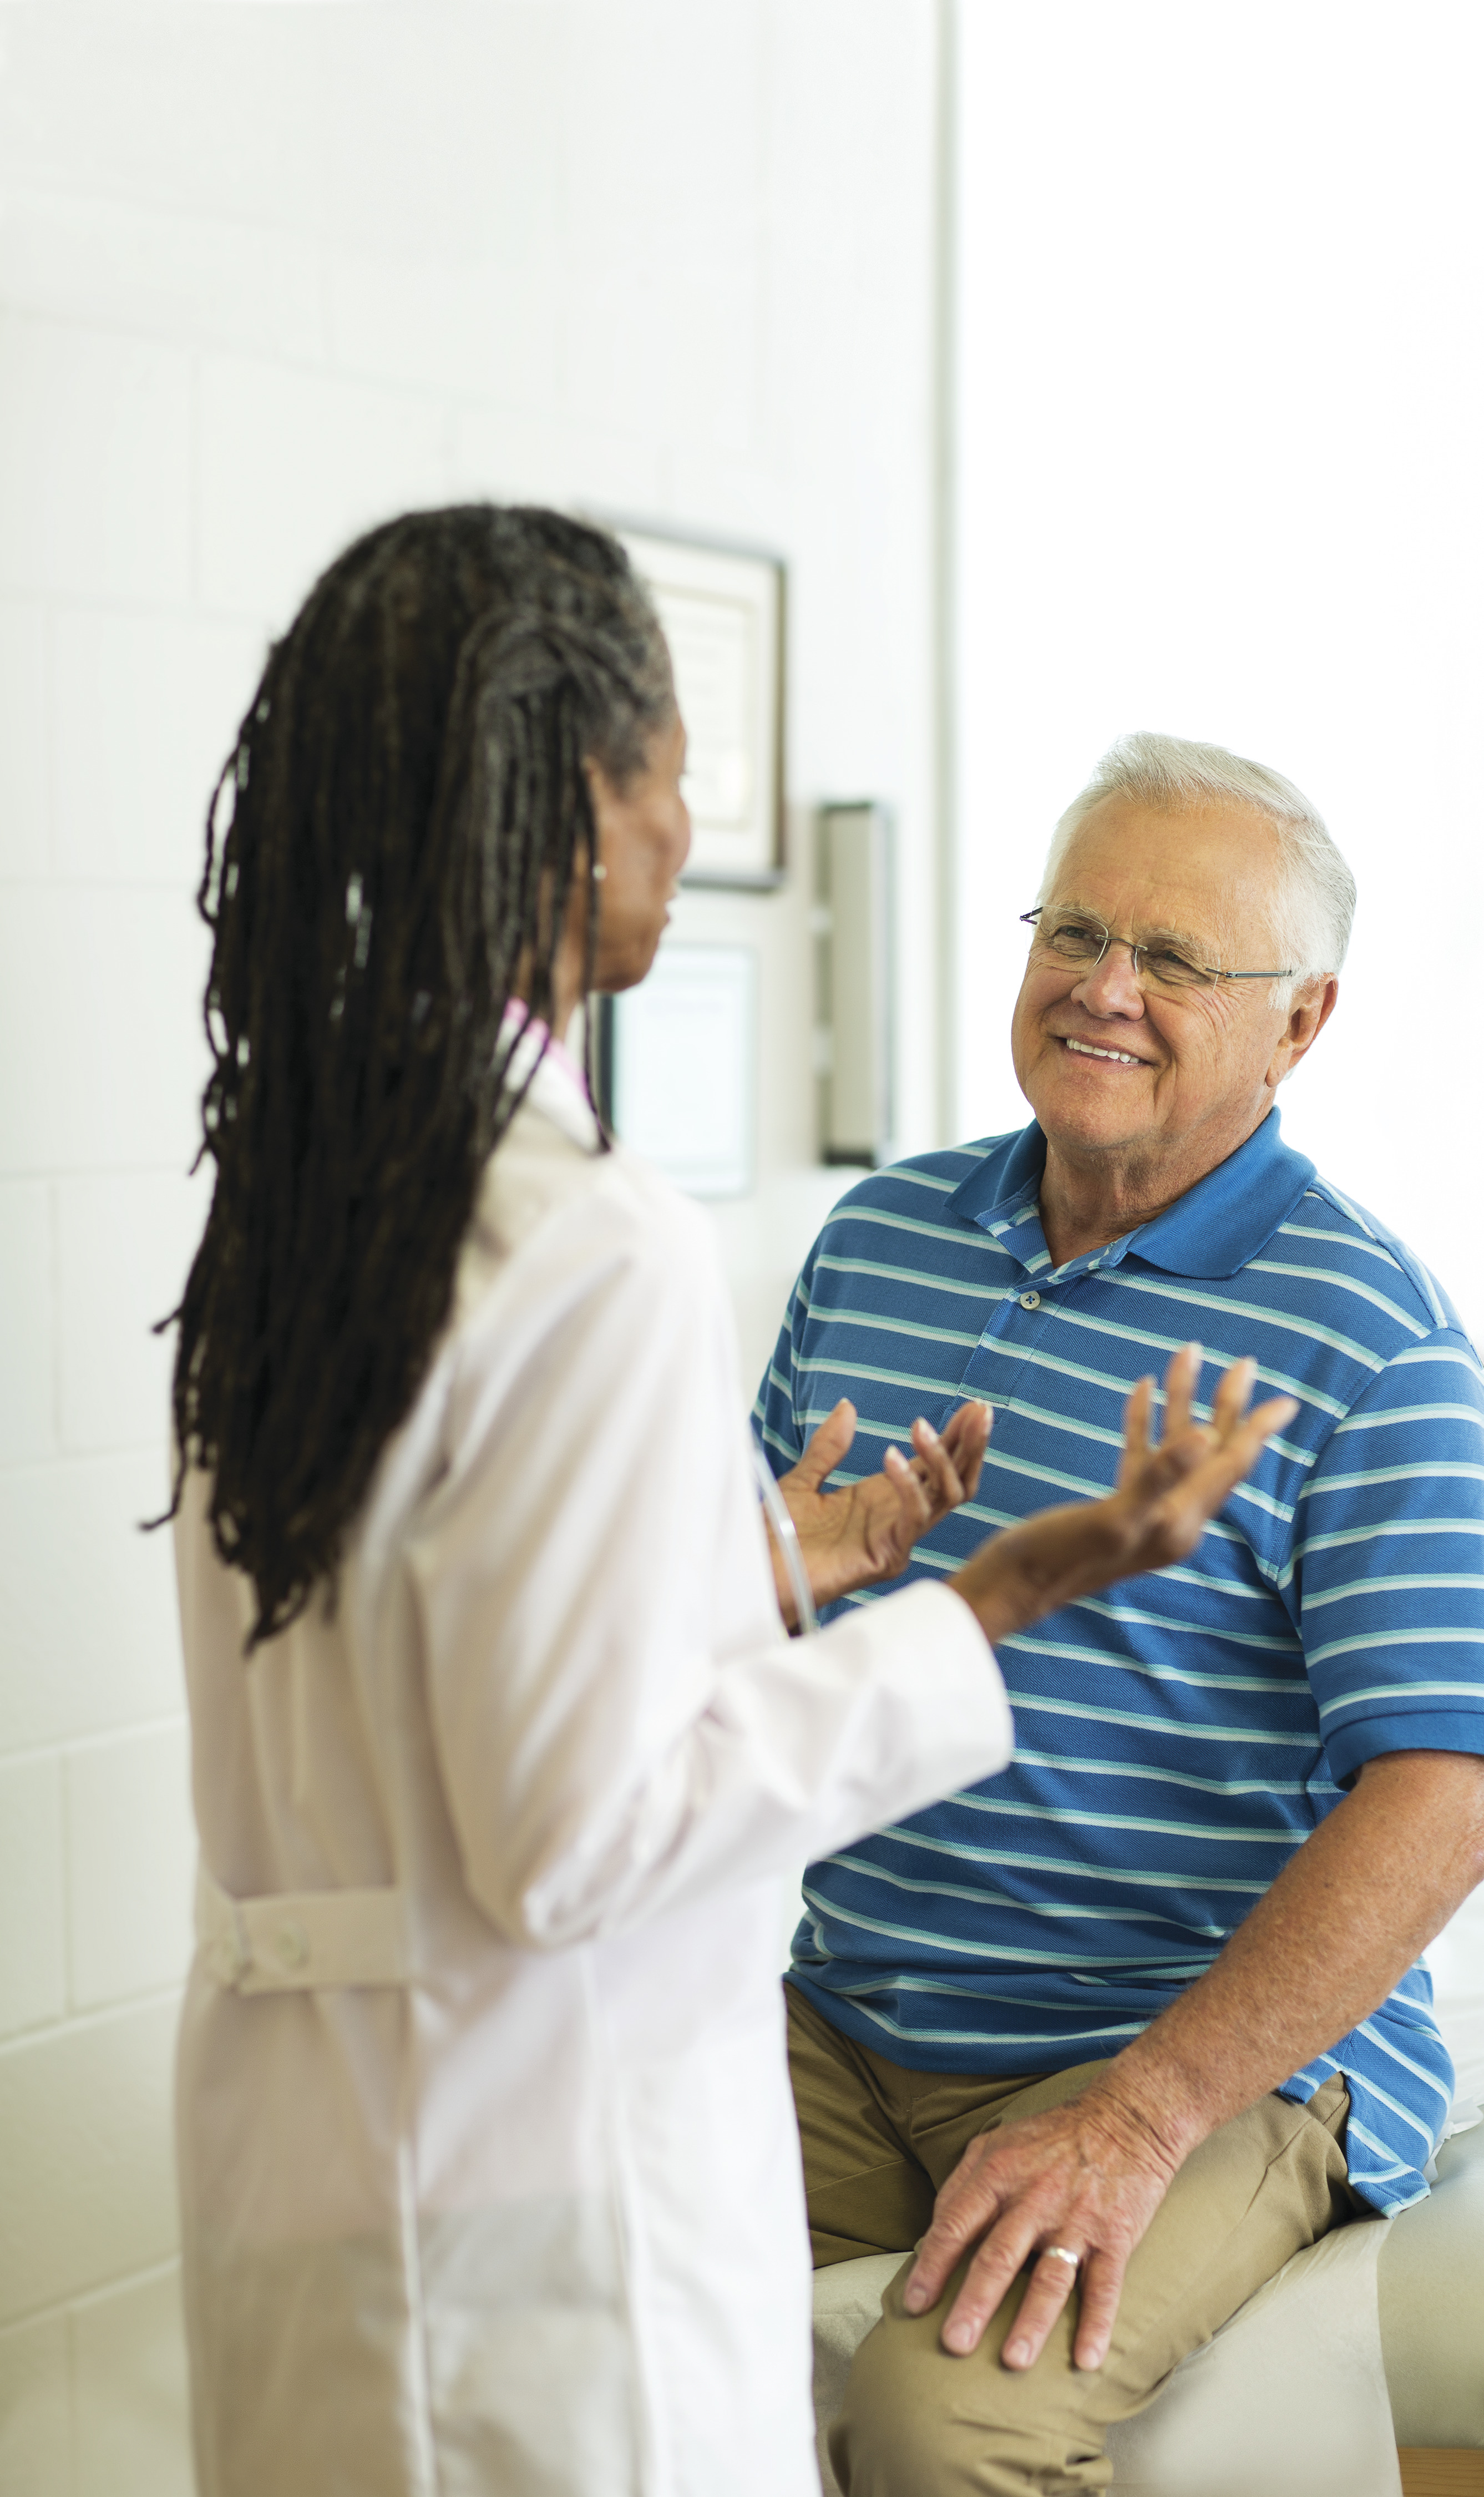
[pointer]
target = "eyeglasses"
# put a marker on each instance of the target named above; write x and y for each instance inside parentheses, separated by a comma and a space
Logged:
(1075, 936)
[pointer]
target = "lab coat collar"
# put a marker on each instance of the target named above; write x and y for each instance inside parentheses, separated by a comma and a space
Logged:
(1213, 1230)
(557, 1087)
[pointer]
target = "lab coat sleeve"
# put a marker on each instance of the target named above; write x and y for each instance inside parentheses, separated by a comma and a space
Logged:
(620, 1722)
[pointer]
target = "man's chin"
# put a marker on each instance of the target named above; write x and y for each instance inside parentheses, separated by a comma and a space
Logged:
(1087, 1126)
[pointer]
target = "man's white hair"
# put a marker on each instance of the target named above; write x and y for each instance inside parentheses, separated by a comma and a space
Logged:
(1312, 915)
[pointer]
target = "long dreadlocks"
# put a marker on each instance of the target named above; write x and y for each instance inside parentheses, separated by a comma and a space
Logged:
(408, 816)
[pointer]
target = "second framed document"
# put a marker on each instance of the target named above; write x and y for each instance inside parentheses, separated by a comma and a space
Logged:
(723, 617)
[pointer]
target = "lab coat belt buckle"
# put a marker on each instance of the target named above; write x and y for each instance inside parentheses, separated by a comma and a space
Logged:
(291, 1943)
(228, 1954)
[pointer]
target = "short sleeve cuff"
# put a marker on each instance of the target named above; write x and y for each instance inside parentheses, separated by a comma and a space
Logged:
(1403, 1730)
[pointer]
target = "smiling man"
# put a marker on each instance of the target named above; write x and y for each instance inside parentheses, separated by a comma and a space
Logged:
(1117, 2032)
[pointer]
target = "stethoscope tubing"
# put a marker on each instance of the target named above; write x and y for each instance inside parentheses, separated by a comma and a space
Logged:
(789, 1545)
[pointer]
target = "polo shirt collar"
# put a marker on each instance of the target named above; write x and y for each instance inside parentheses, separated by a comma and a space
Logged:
(1213, 1230)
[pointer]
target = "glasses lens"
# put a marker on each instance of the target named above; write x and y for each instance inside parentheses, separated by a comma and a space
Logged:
(1072, 939)
(1163, 967)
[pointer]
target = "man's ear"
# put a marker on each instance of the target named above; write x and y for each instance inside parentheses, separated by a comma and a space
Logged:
(1307, 1015)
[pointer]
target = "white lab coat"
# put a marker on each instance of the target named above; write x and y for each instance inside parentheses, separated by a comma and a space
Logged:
(519, 2213)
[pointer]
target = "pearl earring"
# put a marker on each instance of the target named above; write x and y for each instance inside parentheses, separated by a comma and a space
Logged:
(599, 873)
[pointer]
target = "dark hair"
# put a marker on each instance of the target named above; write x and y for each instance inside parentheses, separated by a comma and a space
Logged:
(408, 815)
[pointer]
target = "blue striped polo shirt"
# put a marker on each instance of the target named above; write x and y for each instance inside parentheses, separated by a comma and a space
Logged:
(1181, 1735)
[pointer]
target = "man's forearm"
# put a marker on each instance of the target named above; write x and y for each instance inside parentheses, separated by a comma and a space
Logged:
(1343, 1922)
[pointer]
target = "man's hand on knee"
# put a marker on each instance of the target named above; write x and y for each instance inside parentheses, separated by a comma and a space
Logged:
(1078, 2184)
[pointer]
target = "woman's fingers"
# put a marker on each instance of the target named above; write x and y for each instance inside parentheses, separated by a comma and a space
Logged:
(965, 1436)
(1164, 1498)
(1177, 1518)
(1236, 1456)
(1180, 1381)
(1232, 1396)
(1184, 1442)
(865, 1530)
(1136, 1414)
(826, 1448)
(936, 1480)
(1233, 1450)
(914, 1504)
(937, 1469)
(1173, 1489)
(949, 1462)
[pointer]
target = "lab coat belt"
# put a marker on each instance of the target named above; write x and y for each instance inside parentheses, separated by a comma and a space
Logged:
(294, 1940)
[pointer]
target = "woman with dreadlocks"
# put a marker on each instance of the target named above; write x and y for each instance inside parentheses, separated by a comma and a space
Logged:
(489, 2185)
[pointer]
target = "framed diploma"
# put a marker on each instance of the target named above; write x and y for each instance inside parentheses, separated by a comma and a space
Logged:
(677, 1067)
(723, 617)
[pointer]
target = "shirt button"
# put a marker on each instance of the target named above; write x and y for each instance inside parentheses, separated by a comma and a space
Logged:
(292, 1944)
(1031, 1299)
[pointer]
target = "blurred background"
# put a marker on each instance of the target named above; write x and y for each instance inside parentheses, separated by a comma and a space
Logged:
(1088, 368)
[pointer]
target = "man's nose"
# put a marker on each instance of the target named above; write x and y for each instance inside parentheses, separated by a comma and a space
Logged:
(1110, 988)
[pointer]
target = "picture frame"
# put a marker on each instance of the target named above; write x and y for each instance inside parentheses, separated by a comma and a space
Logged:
(676, 1066)
(723, 612)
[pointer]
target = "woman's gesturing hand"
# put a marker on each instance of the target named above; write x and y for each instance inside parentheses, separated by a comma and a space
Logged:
(1166, 1492)
(865, 1531)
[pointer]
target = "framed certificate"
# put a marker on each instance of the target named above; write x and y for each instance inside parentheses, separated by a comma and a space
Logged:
(677, 1067)
(723, 617)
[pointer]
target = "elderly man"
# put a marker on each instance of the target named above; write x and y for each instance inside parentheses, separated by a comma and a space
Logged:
(1117, 2032)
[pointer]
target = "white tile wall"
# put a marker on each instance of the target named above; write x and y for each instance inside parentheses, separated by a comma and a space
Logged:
(268, 275)
(90, 2192)
(28, 1417)
(23, 841)
(96, 259)
(32, 1937)
(473, 154)
(665, 305)
(497, 452)
(131, 1849)
(125, 1241)
(144, 710)
(91, 1636)
(293, 465)
(36, 2420)
(102, 1056)
(139, 106)
(128, 2361)
(95, 462)
(489, 326)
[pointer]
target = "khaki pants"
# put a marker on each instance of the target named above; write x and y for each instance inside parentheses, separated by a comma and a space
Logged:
(878, 2141)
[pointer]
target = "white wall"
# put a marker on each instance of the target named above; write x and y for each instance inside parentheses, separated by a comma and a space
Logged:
(265, 276)
(1219, 426)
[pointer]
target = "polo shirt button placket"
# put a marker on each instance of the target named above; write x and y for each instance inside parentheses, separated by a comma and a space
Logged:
(1031, 1299)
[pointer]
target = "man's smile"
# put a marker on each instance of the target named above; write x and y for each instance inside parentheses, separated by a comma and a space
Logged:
(1085, 1049)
